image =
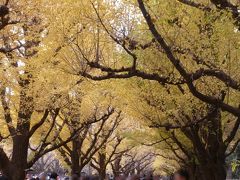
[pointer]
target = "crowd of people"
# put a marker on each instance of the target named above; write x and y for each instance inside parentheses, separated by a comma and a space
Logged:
(179, 175)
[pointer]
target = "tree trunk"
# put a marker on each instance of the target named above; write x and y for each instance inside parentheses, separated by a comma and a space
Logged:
(102, 165)
(194, 172)
(102, 173)
(117, 166)
(208, 145)
(4, 163)
(19, 156)
(19, 159)
(214, 171)
(75, 156)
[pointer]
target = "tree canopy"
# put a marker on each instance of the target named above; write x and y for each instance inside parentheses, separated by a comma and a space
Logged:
(92, 81)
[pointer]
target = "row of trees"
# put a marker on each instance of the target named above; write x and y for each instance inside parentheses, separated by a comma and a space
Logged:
(191, 50)
(34, 113)
(185, 51)
(39, 114)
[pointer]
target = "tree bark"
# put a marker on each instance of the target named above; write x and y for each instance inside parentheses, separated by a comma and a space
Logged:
(4, 163)
(116, 166)
(194, 172)
(19, 159)
(102, 174)
(102, 165)
(19, 156)
(214, 171)
(75, 157)
(208, 147)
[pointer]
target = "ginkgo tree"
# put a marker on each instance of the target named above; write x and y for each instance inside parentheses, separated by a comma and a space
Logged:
(188, 50)
(97, 129)
(30, 96)
(189, 47)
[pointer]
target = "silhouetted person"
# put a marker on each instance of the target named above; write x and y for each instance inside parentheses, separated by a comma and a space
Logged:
(181, 175)
(53, 176)
(150, 177)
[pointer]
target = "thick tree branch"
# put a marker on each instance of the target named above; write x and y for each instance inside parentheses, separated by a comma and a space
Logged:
(188, 124)
(39, 124)
(124, 73)
(56, 145)
(227, 5)
(180, 68)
